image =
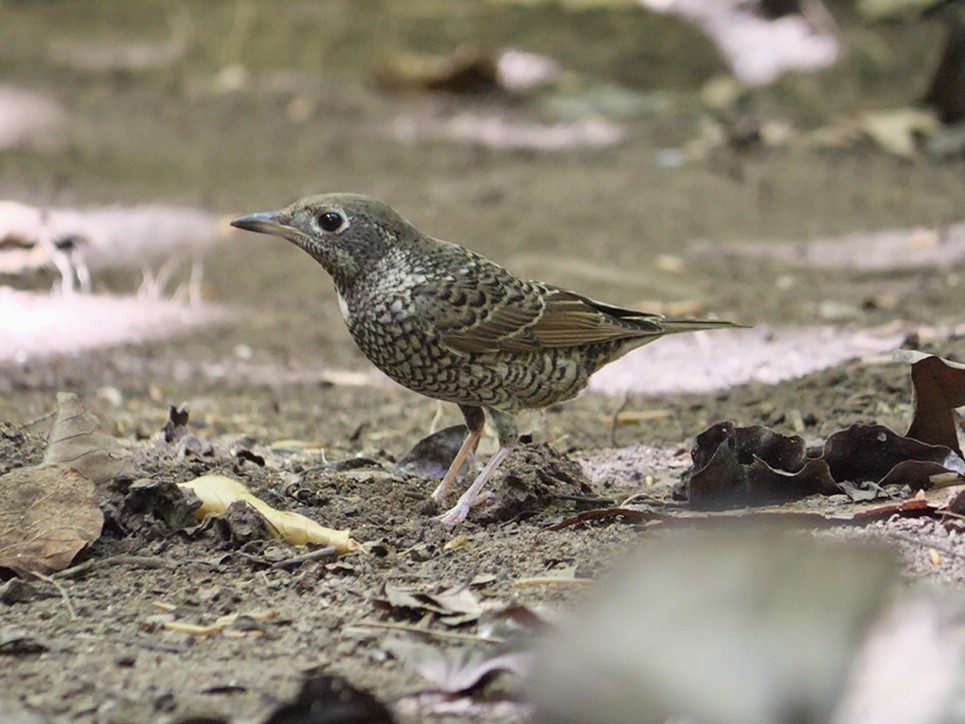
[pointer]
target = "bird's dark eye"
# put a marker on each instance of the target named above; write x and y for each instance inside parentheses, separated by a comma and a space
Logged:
(330, 221)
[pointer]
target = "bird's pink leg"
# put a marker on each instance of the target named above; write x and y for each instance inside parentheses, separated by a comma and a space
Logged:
(458, 512)
(439, 494)
(508, 435)
(475, 424)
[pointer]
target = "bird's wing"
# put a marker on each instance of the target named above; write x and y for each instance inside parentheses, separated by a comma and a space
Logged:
(507, 314)
(571, 320)
(486, 311)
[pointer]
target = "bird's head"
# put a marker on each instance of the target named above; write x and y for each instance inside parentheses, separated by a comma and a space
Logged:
(346, 233)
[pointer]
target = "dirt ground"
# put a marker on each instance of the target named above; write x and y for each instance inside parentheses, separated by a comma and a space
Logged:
(279, 398)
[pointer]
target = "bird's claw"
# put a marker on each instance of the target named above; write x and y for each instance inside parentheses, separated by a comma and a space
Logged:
(455, 514)
(458, 512)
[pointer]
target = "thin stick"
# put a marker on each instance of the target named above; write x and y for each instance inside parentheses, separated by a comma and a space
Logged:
(326, 553)
(37, 421)
(89, 565)
(927, 544)
(408, 628)
(616, 414)
(62, 591)
(554, 580)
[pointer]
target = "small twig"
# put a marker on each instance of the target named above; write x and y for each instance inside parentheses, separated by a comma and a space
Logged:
(408, 628)
(646, 498)
(549, 580)
(326, 553)
(62, 591)
(616, 415)
(927, 544)
(585, 499)
(37, 421)
(78, 570)
(122, 559)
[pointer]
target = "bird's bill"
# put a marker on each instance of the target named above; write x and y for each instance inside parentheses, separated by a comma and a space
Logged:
(268, 222)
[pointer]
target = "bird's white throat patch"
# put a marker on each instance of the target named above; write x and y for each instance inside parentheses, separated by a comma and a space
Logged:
(343, 306)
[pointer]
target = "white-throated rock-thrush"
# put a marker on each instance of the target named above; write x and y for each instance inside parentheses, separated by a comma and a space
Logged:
(444, 321)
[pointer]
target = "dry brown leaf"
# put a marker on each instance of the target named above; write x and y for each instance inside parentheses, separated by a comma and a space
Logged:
(50, 511)
(76, 441)
(939, 389)
(218, 492)
(454, 606)
(49, 514)
(459, 670)
(739, 466)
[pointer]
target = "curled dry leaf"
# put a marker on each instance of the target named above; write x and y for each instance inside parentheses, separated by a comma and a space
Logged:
(939, 387)
(77, 442)
(871, 452)
(218, 492)
(740, 466)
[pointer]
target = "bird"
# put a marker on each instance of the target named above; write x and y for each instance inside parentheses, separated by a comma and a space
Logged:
(447, 322)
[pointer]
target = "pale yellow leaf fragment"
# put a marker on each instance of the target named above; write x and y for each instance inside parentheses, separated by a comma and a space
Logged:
(218, 492)
(192, 629)
(456, 543)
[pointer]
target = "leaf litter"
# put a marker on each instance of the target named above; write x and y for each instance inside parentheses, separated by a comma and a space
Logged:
(294, 470)
(51, 511)
(738, 468)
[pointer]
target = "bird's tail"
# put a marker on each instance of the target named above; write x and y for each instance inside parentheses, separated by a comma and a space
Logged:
(676, 326)
(657, 324)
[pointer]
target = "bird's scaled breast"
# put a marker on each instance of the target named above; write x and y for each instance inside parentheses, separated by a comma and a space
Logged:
(396, 341)
(413, 356)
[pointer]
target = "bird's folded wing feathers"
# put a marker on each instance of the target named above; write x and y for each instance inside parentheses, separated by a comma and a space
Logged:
(532, 317)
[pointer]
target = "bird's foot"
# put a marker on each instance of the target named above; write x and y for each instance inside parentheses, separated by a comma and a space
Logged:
(458, 512)
(455, 514)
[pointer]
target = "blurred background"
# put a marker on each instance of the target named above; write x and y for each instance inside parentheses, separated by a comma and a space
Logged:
(677, 155)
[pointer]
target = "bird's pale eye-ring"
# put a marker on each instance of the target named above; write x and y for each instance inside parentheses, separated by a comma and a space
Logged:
(330, 221)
